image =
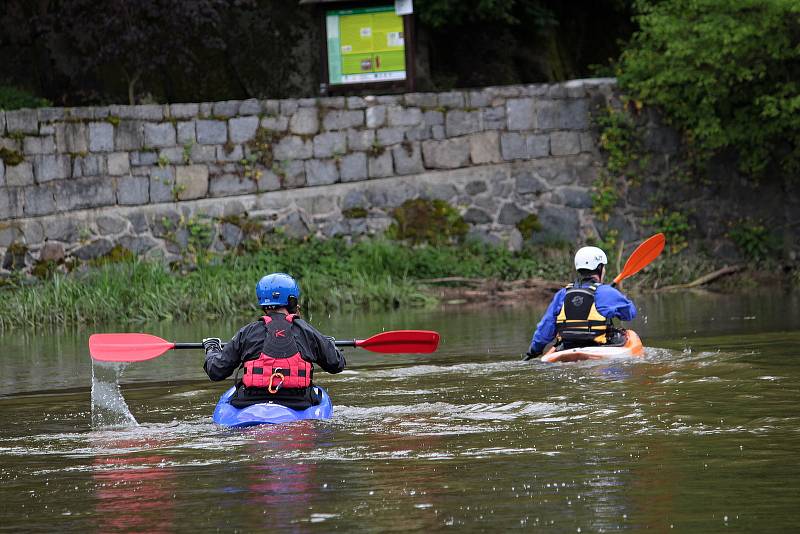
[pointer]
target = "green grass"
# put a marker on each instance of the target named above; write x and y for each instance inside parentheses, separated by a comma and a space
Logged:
(334, 275)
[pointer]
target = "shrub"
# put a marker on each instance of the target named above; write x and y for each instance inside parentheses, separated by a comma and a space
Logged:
(13, 98)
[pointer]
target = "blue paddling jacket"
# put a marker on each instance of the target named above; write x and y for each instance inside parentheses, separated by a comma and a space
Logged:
(609, 301)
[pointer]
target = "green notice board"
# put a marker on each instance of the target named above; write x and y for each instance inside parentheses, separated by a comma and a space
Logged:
(365, 45)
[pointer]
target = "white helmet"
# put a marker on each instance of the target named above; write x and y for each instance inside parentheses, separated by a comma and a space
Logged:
(589, 258)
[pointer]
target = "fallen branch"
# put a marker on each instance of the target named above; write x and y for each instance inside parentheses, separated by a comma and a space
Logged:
(455, 279)
(710, 277)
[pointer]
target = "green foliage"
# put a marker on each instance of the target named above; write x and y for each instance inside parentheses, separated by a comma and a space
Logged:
(355, 213)
(529, 225)
(334, 275)
(605, 195)
(674, 225)
(12, 98)
(620, 142)
(755, 241)
(11, 157)
(440, 13)
(608, 241)
(427, 221)
(727, 73)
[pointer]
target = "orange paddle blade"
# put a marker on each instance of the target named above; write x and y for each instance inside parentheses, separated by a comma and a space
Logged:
(127, 347)
(402, 341)
(642, 256)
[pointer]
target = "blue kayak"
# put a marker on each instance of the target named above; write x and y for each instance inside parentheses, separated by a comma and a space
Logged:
(267, 412)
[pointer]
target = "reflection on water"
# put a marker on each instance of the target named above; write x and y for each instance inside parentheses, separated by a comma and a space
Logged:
(701, 434)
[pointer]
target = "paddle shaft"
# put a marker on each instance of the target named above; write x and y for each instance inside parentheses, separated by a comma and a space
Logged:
(338, 343)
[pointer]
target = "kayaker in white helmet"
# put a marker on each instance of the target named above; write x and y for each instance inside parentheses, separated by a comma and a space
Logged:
(580, 315)
(275, 353)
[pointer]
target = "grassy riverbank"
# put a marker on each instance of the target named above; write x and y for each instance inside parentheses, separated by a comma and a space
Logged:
(377, 274)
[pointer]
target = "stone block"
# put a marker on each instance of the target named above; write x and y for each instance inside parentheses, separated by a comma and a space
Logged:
(293, 174)
(475, 188)
(587, 140)
(186, 134)
(39, 145)
(511, 214)
(558, 223)
(72, 137)
(202, 153)
(305, 121)
(459, 122)
(574, 197)
(129, 135)
(408, 158)
(293, 147)
(141, 159)
(421, 100)
(353, 167)
(376, 116)
(21, 174)
(12, 201)
(520, 113)
(477, 216)
(356, 102)
(230, 184)
(226, 109)
(343, 119)
(321, 172)
(527, 181)
(211, 132)
(39, 200)
(133, 190)
(191, 181)
(380, 166)
(62, 229)
(184, 111)
(360, 139)
(513, 146)
(268, 181)
(173, 155)
(89, 165)
(478, 99)
(82, 193)
(329, 144)
(419, 133)
(446, 154)
(288, 107)
(50, 114)
(401, 116)
(48, 167)
(494, 118)
(390, 136)
(2, 173)
(248, 107)
(566, 114)
(484, 147)
(108, 224)
(2, 123)
(242, 129)
(271, 107)
(565, 143)
(119, 163)
(433, 118)
(275, 124)
(25, 121)
(95, 249)
(538, 145)
(52, 251)
(453, 99)
(157, 135)
(139, 244)
(101, 137)
(162, 185)
(144, 112)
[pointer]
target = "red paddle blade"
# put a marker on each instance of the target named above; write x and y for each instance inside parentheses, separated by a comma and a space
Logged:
(127, 347)
(402, 341)
(642, 256)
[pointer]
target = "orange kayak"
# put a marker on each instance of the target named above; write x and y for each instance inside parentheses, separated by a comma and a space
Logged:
(631, 349)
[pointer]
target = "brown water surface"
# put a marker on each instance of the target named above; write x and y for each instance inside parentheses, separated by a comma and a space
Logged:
(702, 434)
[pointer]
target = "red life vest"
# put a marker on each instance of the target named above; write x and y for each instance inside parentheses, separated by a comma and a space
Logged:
(280, 364)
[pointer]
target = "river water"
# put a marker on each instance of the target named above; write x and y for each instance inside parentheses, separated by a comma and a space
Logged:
(702, 434)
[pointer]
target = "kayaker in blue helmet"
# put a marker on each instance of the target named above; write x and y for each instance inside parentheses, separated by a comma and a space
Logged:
(274, 354)
(580, 314)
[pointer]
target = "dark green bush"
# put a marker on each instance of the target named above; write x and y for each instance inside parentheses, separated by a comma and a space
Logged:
(727, 73)
(13, 98)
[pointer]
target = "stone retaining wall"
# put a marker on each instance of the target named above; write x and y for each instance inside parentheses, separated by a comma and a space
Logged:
(78, 182)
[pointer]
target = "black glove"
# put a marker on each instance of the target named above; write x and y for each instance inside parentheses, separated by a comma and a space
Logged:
(531, 355)
(212, 344)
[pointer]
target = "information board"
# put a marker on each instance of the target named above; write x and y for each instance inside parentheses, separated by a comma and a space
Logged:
(365, 45)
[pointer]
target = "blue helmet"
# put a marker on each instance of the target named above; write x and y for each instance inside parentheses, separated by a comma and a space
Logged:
(276, 289)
